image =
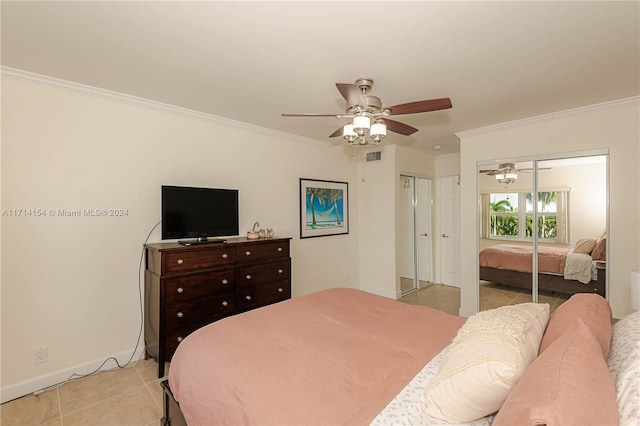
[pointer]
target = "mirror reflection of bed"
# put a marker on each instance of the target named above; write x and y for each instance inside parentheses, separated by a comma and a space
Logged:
(571, 238)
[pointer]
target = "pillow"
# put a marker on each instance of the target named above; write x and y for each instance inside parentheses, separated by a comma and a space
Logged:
(628, 389)
(600, 250)
(585, 245)
(625, 336)
(592, 309)
(486, 358)
(568, 384)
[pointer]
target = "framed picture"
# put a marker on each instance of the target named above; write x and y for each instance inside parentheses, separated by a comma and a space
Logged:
(324, 208)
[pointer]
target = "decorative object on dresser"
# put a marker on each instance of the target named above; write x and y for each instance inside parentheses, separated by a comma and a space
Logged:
(187, 287)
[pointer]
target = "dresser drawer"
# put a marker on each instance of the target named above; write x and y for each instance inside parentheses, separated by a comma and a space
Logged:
(183, 261)
(264, 273)
(256, 296)
(262, 251)
(188, 315)
(198, 285)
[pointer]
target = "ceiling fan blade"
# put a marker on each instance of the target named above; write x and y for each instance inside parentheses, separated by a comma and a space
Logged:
(338, 132)
(421, 106)
(313, 114)
(351, 93)
(398, 127)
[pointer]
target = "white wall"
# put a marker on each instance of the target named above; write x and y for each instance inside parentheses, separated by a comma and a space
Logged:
(71, 283)
(615, 126)
(379, 209)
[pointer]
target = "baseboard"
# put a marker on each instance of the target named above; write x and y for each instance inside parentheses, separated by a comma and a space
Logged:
(386, 293)
(465, 313)
(26, 387)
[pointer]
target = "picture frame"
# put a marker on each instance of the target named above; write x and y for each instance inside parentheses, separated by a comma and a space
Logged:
(324, 208)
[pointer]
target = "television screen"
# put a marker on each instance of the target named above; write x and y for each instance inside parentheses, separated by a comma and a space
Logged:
(199, 212)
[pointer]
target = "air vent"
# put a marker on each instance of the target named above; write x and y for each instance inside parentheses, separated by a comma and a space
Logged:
(374, 156)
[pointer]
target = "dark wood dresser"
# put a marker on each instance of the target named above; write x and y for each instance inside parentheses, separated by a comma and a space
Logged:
(187, 287)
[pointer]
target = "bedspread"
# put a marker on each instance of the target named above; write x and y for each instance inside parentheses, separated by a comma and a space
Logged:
(551, 260)
(334, 357)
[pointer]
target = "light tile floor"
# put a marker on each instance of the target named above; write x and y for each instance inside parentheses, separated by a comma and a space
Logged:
(129, 396)
(133, 396)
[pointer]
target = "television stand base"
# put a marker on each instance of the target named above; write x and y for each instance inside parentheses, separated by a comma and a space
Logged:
(199, 242)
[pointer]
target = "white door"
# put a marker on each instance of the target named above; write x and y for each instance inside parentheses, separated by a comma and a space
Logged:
(449, 220)
(425, 230)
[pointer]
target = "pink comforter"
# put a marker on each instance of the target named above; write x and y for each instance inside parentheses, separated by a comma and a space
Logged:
(551, 260)
(334, 357)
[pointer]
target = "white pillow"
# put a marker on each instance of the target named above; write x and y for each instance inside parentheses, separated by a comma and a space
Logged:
(624, 365)
(624, 336)
(485, 360)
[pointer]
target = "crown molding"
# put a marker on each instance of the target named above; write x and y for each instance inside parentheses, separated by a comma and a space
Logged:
(549, 116)
(70, 86)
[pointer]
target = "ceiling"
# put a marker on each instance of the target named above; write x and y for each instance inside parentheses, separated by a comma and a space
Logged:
(251, 61)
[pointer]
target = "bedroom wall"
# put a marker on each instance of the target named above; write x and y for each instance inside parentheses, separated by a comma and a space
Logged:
(614, 126)
(378, 213)
(71, 283)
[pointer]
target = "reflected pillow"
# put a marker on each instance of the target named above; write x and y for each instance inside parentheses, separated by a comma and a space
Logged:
(600, 250)
(585, 245)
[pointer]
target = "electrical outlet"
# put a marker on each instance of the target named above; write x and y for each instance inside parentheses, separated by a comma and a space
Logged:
(40, 355)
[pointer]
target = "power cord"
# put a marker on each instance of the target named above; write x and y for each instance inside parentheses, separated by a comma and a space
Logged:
(76, 376)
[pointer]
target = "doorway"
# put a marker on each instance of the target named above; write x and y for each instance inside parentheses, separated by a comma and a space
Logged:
(416, 233)
(449, 229)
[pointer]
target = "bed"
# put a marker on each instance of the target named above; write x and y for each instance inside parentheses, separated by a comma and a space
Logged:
(343, 356)
(561, 270)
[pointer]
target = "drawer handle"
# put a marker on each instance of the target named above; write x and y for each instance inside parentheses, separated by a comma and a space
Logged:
(280, 289)
(248, 277)
(179, 339)
(248, 297)
(279, 248)
(225, 303)
(180, 290)
(280, 271)
(248, 253)
(224, 256)
(180, 314)
(180, 261)
(224, 281)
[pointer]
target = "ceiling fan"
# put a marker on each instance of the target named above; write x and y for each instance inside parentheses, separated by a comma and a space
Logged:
(369, 120)
(508, 172)
(509, 168)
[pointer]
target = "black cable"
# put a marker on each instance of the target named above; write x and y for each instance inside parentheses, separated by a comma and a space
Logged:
(76, 376)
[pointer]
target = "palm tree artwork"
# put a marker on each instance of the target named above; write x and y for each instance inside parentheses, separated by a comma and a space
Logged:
(324, 207)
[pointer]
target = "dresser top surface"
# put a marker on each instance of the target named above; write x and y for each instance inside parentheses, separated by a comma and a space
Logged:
(229, 241)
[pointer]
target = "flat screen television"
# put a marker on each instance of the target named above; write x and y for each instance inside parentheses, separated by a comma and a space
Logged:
(199, 213)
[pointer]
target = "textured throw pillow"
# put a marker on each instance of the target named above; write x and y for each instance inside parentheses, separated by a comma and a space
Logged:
(600, 250)
(485, 360)
(625, 337)
(624, 365)
(592, 309)
(568, 384)
(585, 245)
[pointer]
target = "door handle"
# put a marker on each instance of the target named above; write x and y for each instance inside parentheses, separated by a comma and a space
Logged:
(425, 234)
(445, 236)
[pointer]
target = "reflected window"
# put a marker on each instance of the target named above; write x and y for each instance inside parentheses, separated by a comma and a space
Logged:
(511, 215)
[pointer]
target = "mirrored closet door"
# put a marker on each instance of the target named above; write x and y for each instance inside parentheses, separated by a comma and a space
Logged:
(540, 223)
(415, 233)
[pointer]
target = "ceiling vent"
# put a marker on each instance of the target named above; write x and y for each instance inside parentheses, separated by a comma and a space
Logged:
(374, 156)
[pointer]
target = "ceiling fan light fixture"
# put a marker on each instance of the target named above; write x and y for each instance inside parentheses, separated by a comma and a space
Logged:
(506, 177)
(361, 124)
(379, 129)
